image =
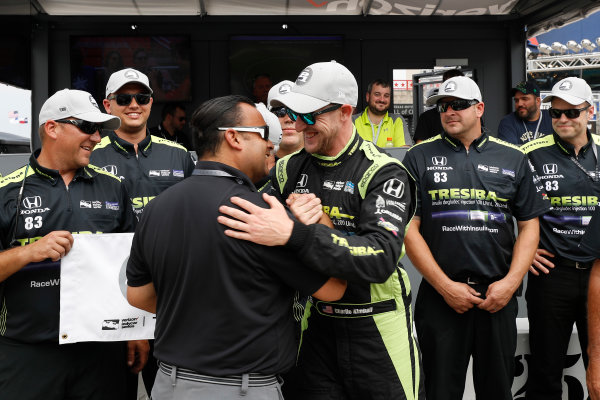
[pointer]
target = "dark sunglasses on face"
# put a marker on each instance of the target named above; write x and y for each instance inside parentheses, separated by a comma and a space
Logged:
(310, 118)
(124, 99)
(457, 105)
(280, 112)
(570, 113)
(263, 131)
(84, 126)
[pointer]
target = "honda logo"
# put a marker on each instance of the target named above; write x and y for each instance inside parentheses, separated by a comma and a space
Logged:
(439, 161)
(111, 169)
(303, 181)
(394, 187)
(32, 202)
(550, 169)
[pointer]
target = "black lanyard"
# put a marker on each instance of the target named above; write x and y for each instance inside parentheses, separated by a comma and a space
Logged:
(594, 175)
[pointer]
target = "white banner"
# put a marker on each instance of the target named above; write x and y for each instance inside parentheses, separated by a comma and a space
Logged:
(93, 303)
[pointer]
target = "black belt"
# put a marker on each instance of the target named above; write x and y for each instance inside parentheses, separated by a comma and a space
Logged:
(558, 260)
(249, 380)
(342, 310)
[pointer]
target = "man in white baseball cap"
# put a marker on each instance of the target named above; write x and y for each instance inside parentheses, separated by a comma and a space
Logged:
(46, 200)
(470, 185)
(367, 195)
(557, 288)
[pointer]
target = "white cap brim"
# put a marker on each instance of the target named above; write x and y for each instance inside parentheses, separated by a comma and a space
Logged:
(106, 120)
(574, 100)
(298, 102)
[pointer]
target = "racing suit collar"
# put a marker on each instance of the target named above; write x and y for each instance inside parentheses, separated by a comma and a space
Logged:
(127, 149)
(235, 173)
(456, 145)
(333, 161)
(568, 148)
(52, 175)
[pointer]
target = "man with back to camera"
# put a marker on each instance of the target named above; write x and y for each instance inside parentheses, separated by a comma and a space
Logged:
(429, 124)
(557, 286)
(462, 241)
(173, 119)
(147, 164)
(42, 204)
(223, 326)
(375, 124)
(361, 347)
(529, 121)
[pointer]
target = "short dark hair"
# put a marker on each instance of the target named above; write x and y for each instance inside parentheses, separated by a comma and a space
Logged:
(451, 73)
(169, 109)
(378, 81)
(212, 114)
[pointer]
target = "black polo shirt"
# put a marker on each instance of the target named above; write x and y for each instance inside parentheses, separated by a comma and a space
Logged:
(224, 305)
(94, 202)
(573, 194)
(590, 243)
(158, 164)
(466, 201)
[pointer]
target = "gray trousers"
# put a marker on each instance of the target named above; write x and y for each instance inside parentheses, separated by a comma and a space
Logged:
(175, 384)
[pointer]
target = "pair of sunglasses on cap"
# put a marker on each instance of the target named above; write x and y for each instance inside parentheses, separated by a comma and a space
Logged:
(308, 118)
(124, 99)
(571, 113)
(84, 126)
(457, 105)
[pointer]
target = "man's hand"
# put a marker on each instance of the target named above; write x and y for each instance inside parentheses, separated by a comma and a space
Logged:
(137, 354)
(593, 380)
(54, 246)
(266, 226)
(307, 208)
(460, 296)
(497, 296)
(541, 263)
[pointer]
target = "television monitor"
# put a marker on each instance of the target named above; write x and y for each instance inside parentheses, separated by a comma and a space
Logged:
(165, 59)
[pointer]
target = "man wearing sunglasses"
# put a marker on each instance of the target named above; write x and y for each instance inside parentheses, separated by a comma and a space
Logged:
(224, 327)
(470, 186)
(529, 121)
(172, 126)
(48, 200)
(568, 169)
(363, 346)
(146, 163)
(291, 139)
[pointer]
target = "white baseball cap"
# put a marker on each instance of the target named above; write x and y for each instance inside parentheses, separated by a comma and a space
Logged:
(460, 87)
(572, 90)
(272, 121)
(120, 78)
(278, 89)
(76, 104)
(318, 85)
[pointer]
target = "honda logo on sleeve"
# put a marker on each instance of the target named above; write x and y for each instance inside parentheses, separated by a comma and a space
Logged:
(439, 161)
(550, 169)
(32, 202)
(394, 187)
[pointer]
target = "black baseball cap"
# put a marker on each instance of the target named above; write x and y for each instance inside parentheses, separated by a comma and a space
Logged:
(526, 87)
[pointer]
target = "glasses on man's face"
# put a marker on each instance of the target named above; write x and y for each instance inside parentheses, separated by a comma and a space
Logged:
(280, 112)
(84, 126)
(124, 99)
(310, 118)
(571, 113)
(263, 131)
(457, 105)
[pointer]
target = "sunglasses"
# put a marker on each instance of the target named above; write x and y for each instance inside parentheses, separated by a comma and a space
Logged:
(124, 99)
(570, 113)
(310, 118)
(84, 126)
(457, 105)
(263, 131)
(280, 112)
